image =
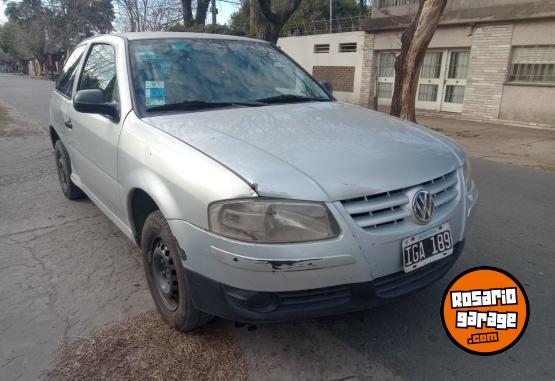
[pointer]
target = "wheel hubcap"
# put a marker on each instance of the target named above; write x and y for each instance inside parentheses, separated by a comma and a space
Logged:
(164, 274)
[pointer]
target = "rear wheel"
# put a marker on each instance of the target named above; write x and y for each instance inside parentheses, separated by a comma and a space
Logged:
(63, 166)
(166, 277)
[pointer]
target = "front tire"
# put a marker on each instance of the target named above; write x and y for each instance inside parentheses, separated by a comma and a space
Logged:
(63, 167)
(166, 276)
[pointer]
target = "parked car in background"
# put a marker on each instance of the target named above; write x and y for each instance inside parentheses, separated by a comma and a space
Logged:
(253, 194)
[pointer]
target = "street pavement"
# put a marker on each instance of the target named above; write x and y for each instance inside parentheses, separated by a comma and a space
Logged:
(66, 270)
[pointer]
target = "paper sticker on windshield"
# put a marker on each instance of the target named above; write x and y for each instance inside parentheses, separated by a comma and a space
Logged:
(146, 55)
(180, 46)
(155, 93)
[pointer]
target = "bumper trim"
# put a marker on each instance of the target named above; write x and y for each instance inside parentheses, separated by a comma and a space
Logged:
(260, 264)
(257, 307)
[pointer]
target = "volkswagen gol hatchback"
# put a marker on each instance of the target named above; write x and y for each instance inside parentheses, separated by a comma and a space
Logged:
(253, 194)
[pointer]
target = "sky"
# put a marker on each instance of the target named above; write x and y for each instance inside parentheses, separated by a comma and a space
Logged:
(2, 17)
(225, 9)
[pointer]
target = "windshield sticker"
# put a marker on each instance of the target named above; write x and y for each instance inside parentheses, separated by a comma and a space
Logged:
(155, 93)
(147, 55)
(180, 46)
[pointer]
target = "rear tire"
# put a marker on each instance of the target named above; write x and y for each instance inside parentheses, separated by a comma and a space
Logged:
(63, 167)
(166, 276)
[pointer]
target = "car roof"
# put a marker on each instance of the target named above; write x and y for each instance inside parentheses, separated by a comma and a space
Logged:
(132, 36)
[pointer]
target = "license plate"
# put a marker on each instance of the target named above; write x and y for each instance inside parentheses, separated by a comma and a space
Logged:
(427, 247)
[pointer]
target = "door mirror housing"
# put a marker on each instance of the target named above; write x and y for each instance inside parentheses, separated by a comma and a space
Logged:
(91, 101)
(327, 86)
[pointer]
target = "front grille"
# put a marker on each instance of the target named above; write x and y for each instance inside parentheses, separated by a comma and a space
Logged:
(401, 283)
(381, 211)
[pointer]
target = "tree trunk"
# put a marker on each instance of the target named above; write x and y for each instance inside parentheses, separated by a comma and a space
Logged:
(414, 42)
(266, 24)
(187, 12)
(202, 10)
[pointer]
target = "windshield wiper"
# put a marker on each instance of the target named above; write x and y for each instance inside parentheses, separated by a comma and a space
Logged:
(289, 98)
(200, 105)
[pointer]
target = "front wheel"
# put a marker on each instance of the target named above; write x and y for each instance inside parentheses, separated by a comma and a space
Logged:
(166, 277)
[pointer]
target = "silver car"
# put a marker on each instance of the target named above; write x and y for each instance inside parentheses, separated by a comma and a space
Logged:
(253, 194)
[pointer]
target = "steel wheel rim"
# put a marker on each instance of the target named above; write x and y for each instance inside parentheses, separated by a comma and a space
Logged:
(164, 274)
(61, 170)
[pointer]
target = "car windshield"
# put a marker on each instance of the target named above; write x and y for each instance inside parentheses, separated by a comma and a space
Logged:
(196, 74)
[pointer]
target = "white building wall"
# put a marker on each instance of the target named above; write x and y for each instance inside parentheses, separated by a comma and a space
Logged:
(487, 71)
(301, 49)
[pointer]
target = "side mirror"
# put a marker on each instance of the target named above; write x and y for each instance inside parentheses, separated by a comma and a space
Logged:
(91, 101)
(327, 86)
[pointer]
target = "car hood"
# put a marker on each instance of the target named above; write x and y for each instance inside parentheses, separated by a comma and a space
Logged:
(322, 151)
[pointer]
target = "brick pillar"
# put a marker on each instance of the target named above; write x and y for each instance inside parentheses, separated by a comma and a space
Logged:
(487, 71)
(368, 77)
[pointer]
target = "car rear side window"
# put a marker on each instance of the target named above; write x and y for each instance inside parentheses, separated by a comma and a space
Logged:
(100, 71)
(67, 77)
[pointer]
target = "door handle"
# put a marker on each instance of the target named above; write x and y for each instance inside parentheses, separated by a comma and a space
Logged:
(68, 124)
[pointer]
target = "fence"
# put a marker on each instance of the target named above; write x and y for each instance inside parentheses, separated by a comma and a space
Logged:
(338, 25)
(395, 3)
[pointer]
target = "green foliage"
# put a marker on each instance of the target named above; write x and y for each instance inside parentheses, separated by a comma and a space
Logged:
(36, 29)
(15, 41)
(309, 10)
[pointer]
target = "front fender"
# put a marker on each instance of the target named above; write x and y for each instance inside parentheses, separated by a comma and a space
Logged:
(180, 179)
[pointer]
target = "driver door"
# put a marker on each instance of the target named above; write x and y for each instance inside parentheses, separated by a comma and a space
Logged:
(96, 136)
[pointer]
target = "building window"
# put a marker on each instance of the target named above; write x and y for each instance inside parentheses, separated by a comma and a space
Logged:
(458, 64)
(348, 47)
(431, 67)
(386, 64)
(386, 75)
(427, 93)
(532, 64)
(454, 94)
(385, 89)
(322, 48)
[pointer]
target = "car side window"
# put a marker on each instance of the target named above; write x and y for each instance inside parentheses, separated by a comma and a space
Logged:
(100, 72)
(67, 77)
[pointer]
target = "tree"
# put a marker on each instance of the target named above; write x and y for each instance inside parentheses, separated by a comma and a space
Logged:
(37, 29)
(147, 15)
(414, 42)
(308, 10)
(200, 15)
(74, 19)
(266, 20)
(29, 32)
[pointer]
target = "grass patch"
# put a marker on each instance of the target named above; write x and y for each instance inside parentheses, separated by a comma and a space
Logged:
(145, 348)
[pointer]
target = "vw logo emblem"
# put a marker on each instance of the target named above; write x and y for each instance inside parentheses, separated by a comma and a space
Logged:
(423, 206)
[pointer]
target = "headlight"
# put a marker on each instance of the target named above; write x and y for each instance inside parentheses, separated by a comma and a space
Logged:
(272, 221)
(467, 170)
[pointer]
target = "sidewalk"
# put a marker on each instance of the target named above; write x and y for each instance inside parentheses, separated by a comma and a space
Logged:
(530, 147)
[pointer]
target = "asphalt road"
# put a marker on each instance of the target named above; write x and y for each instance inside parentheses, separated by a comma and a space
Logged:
(66, 270)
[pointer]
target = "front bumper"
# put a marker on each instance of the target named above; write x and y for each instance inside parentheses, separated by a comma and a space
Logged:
(265, 306)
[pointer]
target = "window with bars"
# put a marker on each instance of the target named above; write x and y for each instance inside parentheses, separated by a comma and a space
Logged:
(532, 64)
(348, 47)
(322, 48)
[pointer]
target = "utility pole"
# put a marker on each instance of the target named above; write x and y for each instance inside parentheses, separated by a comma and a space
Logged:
(214, 11)
(331, 17)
